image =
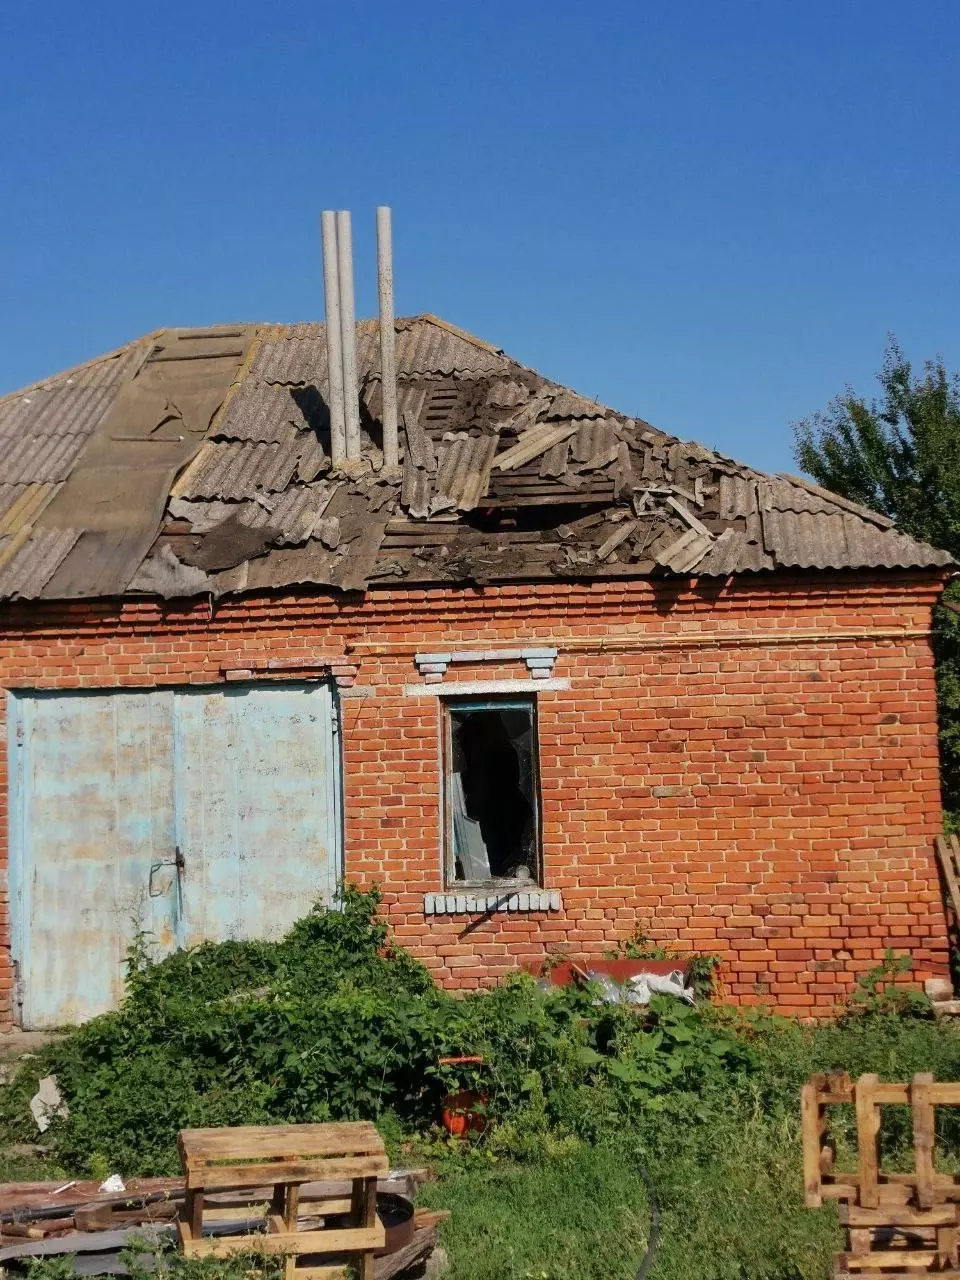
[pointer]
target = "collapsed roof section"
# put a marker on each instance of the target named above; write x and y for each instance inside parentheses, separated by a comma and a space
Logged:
(198, 461)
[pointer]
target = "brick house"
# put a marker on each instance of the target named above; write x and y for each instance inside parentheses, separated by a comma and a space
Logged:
(560, 676)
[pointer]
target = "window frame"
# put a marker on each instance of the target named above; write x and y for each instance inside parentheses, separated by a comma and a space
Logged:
(487, 702)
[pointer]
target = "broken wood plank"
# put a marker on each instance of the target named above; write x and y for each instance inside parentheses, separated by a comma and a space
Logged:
(576, 527)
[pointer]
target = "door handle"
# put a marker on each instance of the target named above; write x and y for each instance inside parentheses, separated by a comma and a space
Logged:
(177, 861)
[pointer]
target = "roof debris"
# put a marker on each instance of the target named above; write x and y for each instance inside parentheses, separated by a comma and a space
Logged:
(199, 461)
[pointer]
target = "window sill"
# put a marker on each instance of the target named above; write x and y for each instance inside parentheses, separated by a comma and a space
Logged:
(466, 903)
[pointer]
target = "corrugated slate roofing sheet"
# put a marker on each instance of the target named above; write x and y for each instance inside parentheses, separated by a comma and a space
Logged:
(504, 475)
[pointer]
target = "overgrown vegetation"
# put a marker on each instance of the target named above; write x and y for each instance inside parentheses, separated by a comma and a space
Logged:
(335, 1022)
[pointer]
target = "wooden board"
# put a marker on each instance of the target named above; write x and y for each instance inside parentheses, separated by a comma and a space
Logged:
(277, 1142)
(340, 1240)
(232, 1177)
(923, 1137)
(948, 853)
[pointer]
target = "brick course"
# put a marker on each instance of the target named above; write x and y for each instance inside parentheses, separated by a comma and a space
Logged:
(745, 768)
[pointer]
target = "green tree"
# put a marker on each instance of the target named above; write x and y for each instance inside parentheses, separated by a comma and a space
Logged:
(900, 455)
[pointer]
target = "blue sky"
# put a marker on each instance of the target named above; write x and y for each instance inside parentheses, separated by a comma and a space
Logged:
(709, 214)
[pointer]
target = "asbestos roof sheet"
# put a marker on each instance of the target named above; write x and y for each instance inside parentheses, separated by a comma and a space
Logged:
(199, 460)
(26, 570)
(818, 540)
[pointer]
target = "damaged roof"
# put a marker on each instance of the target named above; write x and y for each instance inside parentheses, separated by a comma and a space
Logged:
(198, 461)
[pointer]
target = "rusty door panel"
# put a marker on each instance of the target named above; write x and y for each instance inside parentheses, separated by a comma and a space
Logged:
(108, 787)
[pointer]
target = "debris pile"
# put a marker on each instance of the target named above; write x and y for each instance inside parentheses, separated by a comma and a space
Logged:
(215, 447)
(49, 1219)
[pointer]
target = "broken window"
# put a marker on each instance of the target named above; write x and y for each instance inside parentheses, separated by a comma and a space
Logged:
(492, 812)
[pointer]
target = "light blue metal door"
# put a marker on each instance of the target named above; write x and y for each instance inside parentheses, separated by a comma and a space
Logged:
(91, 813)
(190, 815)
(257, 795)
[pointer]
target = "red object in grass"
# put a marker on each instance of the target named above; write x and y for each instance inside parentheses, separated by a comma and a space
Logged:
(464, 1112)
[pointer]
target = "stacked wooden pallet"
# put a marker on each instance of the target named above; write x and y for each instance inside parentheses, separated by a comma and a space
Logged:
(900, 1225)
(284, 1157)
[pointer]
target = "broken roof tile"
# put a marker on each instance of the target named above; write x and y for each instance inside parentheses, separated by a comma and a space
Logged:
(533, 443)
(508, 439)
(464, 471)
(25, 571)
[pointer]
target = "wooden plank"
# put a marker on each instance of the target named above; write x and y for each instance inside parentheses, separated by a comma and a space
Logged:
(339, 1240)
(868, 1128)
(841, 1190)
(233, 1213)
(193, 1211)
(292, 1204)
(811, 1124)
(278, 1142)
(947, 853)
(948, 1253)
(890, 1258)
(403, 1261)
(841, 1272)
(369, 1219)
(321, 1273)
(833, 1089)
(923, 1137)
(227, 1177)
(940, 1215)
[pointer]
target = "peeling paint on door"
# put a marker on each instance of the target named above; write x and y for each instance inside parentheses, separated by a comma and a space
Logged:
(189, 814)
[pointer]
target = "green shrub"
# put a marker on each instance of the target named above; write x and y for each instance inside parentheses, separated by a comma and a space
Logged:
(334, 1022)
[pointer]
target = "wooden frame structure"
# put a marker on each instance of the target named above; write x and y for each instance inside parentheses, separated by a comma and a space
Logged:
(282, 1158)
(900, 1225)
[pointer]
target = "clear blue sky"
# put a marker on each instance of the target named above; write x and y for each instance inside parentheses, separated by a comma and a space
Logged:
(710, 214)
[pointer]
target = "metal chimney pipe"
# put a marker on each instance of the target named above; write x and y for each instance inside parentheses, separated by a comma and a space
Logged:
(348, 335)
(331, 302)
(388, 340)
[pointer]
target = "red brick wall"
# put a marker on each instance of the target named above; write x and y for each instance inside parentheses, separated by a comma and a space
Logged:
(746, 769)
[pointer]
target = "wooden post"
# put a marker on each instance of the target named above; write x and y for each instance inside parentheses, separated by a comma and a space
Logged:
(868, 1130)
(812, 1128)
(923, 1137)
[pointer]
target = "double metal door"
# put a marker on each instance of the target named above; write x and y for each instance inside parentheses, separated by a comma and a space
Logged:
(182, 815)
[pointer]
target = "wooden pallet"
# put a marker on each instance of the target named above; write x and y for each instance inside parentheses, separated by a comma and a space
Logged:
(948, 855)
(902, 1224)
(283, 1158)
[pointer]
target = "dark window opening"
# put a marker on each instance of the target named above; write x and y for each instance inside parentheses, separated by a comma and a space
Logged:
(491, 793)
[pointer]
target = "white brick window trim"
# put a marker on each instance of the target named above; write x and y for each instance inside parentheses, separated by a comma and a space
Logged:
(448, 904)
(539, 661)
